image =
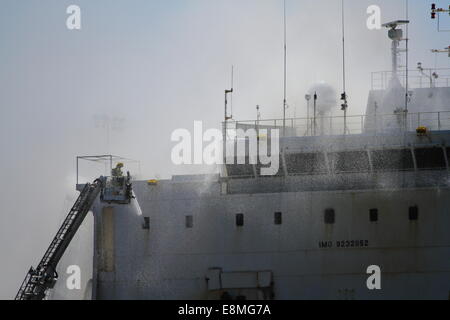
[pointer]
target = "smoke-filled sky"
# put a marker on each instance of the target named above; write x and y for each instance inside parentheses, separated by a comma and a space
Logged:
(153, 66)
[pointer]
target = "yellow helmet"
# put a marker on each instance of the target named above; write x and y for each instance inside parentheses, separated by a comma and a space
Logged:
(119, 165)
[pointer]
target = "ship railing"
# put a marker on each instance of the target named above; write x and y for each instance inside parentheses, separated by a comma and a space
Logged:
(423, 78)
(338, 125)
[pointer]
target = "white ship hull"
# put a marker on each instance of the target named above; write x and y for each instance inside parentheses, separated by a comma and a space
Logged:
(307, 258)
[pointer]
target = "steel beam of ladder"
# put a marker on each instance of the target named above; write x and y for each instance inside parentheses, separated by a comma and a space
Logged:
(39, 280)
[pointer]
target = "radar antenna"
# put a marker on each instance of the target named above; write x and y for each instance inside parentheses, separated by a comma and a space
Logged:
(396, 35)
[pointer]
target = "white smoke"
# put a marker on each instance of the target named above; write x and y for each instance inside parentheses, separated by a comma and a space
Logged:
(326, 97)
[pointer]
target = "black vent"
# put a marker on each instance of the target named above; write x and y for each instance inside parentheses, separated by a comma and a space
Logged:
(189, 222)
(329, 216)
(240, 220)
(146, 224)
(373, 215)
(278, 218)
(414, 213)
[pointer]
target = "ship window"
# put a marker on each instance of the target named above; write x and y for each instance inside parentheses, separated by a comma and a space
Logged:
(430, 158)
(239, 219)
(351, 161)
(146, 224)
(189, 222)
(414, 213)
(305, 163)
(393, 159)
(373, 213)
(240, 170)
(278, 218)
(329, 216)
(279, 173)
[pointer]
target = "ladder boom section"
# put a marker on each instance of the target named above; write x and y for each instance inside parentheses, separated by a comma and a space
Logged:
(39, 280)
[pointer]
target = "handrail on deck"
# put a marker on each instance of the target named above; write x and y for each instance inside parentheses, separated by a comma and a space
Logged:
(423, 78)
(355, 124)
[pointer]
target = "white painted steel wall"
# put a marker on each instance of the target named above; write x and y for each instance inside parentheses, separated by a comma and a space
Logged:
(170, 261)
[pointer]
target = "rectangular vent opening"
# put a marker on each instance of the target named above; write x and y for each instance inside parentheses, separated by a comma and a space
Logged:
(373, 213)
(189, 222)
(278, 218)
(329, 216)
(146, 224)
(414, 213)
(240, 220)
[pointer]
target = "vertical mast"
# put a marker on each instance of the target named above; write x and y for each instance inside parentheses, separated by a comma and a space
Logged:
(225, 124)
(285, 71)
(344, 104)
(407, 62)
(231, 96)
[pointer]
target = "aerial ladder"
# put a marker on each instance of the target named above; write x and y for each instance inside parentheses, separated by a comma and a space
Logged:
(38, 281)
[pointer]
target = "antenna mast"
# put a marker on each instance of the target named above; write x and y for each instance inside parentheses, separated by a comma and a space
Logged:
(407, 63)
(232, 86)
(344, 104)
(229, 92)
(285, 72)
(225, 124)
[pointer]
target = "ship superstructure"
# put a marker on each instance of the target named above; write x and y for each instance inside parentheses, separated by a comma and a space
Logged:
(350, 193)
